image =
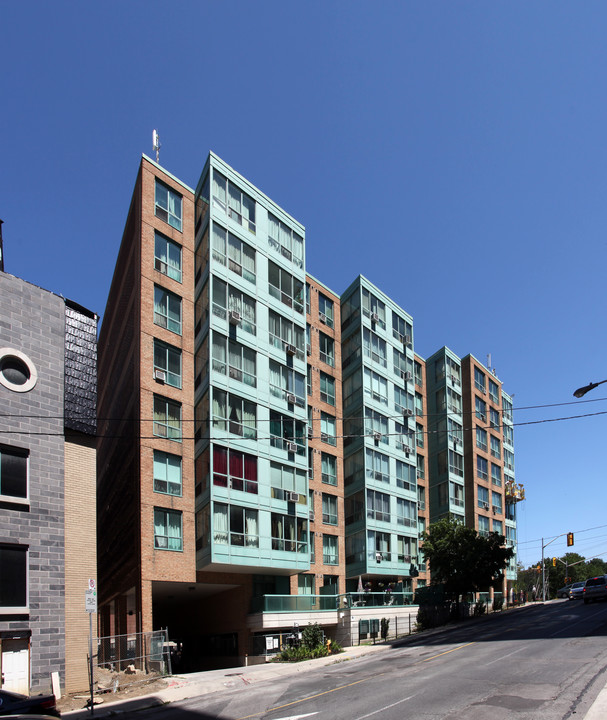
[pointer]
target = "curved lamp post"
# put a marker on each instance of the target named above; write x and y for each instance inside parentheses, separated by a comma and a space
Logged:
(580, 392)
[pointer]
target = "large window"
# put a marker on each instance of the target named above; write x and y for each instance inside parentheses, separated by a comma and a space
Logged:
(329, 509)
(376, 426)
(496, 502)
(406, 512)
(378, 506)
(496, 450)
(167, 310)
(231, 251)
(230, 198)
(284, 334)
(376, 386)
(406, 475)
(406, 548)
(285, 382)
(483, 525)
(167, 360)
(402, 365)
(328, 428)
(481, 468)
(286, 480)
(494, 418)
(327, 388)
(285, 241)
(403, 401)
(482, 495)
(240, 306)
(329, 469)
(167, 257)
(494, 393)
(330, 554)
(13, 473)
(374, 347)
(167, 418)
(480, 408)
(325, 310)
(234, 414)
(167, 473)
(287, 433)
(327, 349)
(402, 330)
(168, 205)
(374, 309)
(378, 546)
(233, 359)
(235, 525)
(496, 474)
(14, 574)
(289, 534)
(284, 287)
(377, 466)
(234, 469)
(167, 530)
(481, 439)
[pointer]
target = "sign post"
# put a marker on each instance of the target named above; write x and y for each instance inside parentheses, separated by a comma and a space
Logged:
(90, 604)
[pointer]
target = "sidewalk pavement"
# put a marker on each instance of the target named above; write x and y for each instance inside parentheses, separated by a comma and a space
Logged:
(182, 687)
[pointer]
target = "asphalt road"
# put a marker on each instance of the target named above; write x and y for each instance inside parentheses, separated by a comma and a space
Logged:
(548, 662)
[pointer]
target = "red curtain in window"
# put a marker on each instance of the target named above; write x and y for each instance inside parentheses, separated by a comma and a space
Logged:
(220, 466)
(250, 473)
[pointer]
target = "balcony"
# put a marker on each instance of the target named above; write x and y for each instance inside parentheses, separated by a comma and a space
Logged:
(320, 603)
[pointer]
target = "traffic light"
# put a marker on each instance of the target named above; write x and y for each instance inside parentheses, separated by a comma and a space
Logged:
(569, 539)
(553, 562)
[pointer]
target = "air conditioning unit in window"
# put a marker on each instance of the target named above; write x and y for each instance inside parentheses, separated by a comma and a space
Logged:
(234, 317)
(161, 266)
(374, 317)
(378, 557)
(496, 509)
(407, 412)
(308, 349)
(323, 318)
(292, 447)
(292, 496)
(406, 375)
(160, 376)
(406, 340)
(291, 398)
(456, 441)
(324, 437)
(310, 432)
(485, 506)
(407, 450)
(291, 349)
(376, 436)
(455, 379)
(161, 542)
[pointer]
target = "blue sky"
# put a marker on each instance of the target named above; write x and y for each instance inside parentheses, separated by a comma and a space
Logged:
(452, 152)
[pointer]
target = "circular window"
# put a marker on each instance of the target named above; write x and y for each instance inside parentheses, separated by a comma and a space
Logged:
(17, 371)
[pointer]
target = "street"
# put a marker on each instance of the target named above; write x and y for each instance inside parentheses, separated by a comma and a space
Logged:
(548, 662)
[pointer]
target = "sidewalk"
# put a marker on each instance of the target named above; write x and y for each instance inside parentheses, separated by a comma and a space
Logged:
(182, 687)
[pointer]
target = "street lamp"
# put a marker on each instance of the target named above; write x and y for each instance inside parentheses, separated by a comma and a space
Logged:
(580, 392)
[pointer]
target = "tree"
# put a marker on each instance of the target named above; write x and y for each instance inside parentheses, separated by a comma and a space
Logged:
(463, 560)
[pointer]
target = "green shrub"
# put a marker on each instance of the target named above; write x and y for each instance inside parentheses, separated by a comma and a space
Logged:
(498, 604)
(312, 636)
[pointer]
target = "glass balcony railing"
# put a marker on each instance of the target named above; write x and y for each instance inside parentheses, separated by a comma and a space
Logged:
(308, 603)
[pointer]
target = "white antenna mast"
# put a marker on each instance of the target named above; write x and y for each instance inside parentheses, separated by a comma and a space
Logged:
(156, 144)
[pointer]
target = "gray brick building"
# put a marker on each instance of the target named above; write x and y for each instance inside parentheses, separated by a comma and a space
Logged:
(47, 458)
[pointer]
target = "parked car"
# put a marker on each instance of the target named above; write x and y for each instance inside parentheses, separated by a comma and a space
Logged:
(576, 591)
(595, 589)
(564, 591)
(12, 703)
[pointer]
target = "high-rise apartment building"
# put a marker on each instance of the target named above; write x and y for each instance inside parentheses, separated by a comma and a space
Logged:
(267, 446)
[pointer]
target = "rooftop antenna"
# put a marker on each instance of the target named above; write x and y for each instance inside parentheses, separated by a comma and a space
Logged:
(156, 144)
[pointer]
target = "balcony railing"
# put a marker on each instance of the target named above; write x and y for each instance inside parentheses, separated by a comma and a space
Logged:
(308, 603)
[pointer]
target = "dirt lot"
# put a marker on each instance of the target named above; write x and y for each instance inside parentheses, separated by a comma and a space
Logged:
(113, 686)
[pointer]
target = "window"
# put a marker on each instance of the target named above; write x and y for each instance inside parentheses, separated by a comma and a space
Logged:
(453, 371)
(439, 369)
(202, 201)
(285, 241)
(417, 372)
(225, 298)
(233, 359)
(234, 469)
(406, 549)
(494, 392)
(401, 364)
(508, 459)
(496, 502)
(456, 463)
(378, 546)
(168, 205)
(14, 573)
(483, 525)
(167, 473)
(329, 469)
(421, 470)
(283, 333)
(402, 330)
(494, 418)
(167, 257)
(481, 468)
(403, 438)
(167, 418)
(481, 439)
(479, 380)
(498, 527)
(234, 414)
(231, 251)
(329, 509)
(454, 401)
(480, 407)
(327, 349)
(285, 479)
(286, 431)
(406, 476)
(167, 360)
(508, 434)
(507, 408)
(374, 347)
(406, 512)
(167, 310)
(289, 534)
(419, 435)
(495, 447)
(482, 498)
(330, 553)
(376, 387)
(403, 401)
(457, 495)
(325, 310)
(419, 405)
(235, 525)
(374, 309)
(284, 287)
(308, 310)
(327, 388)
(496, 474)
(421, 497)
(376, 423)
(377, 466)
(309, 379)
(230, 198)
(378, 506)
(328, 428)
(305, 584)
(13, 473)
(455, 432)
(285, 381)
(167, 530)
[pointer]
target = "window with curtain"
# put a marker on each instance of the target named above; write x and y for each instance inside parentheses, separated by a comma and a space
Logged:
(456, 494)
(168, 205)
(220, 523)
(483, 525)
(406, 476)
(305, 584)
(285, 241)
(327, 388)
(234, 469)
(406, 549)
(496, 502)
(481, 439)
(330, 550)
(496, 474)
(231, 199)
(482, 497)
(406, 512)
(329, 509)
(244, 530)
(376, 386)
(494, 418)
(376, 422)
(285, 381)
(496, 449)
(241, 360)
(403, 400)
(378, 466)
(479, 379)
(329, 469)
(167, 257)
(378, 506)
(494, 392)
(286, 288)
(289, 533)
(481, 468)
(167, 310)
(167, 418)
(167, 359)
(374, 348)
(372, 305)
(167, 473)
(285, 430)
(402, 330)
(326, 349)
(325, 310)
(480, 408)
(167, 530)
(328, 428)
(234, 414)
(287, 479)
(378, 542)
